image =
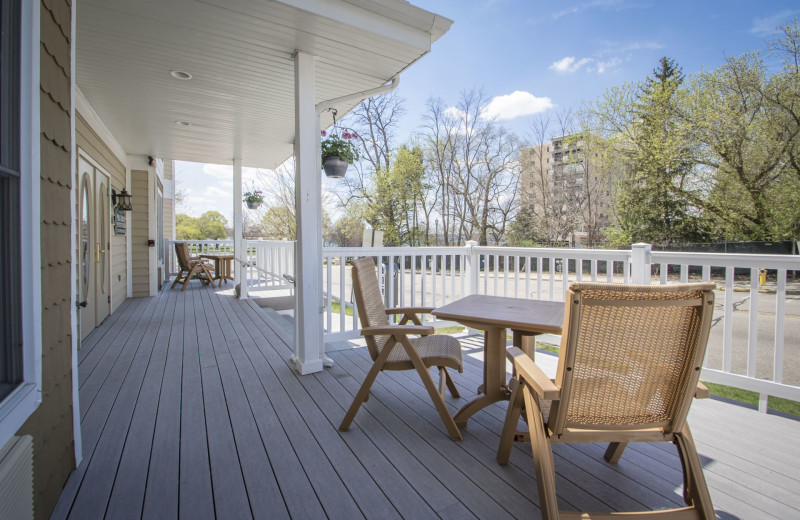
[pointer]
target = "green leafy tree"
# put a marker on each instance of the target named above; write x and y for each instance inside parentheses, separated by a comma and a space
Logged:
(213, 225)
(393, 202)
(656, 159)
(748, 121)
(187, 228)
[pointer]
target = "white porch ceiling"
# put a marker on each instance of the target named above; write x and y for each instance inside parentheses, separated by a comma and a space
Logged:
(240, 100)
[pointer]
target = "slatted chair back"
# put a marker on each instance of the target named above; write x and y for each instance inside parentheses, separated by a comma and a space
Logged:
(369, 301)
(630, 356)
(182, 252)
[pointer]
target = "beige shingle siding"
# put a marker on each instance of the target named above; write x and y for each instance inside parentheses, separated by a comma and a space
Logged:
(140, 234)
(90, 142)
(51, 424)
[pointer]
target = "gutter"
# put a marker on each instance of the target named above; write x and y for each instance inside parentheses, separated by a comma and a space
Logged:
(361, 96)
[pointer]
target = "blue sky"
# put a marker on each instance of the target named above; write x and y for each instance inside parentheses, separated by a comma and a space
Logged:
(531, 56)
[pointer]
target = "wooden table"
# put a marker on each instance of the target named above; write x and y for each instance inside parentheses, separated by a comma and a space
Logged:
(493, 315)
(222, 266)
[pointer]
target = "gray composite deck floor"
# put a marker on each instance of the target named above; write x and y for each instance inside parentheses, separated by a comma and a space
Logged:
(189, 408)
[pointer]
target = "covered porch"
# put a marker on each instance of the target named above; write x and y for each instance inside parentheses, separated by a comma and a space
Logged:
(190, 406)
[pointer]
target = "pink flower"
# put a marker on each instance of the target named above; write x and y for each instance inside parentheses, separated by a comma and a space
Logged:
(346, 134)
(324, 133)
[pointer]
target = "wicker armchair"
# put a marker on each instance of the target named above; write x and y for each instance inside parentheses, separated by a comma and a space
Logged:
(191, 268)
(392, 349)
(628, 369)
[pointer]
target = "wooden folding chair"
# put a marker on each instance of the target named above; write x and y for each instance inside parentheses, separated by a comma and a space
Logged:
(392, 349)
(628, 369)
(191, 268)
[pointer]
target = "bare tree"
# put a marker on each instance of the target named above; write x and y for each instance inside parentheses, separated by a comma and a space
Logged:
(473, 165)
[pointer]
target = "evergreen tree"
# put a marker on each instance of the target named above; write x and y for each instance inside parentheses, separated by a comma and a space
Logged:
(650, 205)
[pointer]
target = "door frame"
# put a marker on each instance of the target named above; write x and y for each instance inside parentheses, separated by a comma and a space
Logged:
(83, 155)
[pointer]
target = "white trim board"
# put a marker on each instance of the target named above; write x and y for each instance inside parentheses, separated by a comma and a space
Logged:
(76, 406)
(23, 401)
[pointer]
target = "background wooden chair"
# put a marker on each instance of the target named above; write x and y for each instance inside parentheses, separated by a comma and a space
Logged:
(191, 268)
(628, 368)
(392, 349)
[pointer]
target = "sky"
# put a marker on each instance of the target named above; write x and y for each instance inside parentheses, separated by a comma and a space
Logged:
(529, 57)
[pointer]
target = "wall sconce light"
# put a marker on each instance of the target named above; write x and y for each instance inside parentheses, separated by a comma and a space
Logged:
(121, 200)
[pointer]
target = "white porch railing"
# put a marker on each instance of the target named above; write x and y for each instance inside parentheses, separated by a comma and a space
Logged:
(269, 265)
(196, 247)
(742, 352)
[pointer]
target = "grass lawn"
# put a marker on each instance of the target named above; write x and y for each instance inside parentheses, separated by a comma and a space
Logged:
(336, 308)
(737, 394)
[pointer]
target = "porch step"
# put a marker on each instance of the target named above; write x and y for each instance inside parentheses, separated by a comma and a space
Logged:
(285, 322)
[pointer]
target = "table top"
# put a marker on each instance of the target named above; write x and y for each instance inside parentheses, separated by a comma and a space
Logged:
(538, 316)
(218, 256)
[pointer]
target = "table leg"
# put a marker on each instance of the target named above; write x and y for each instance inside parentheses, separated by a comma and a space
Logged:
(494, 376)
(526, 342)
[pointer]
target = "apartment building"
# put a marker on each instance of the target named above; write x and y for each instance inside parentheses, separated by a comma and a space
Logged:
(564, 186)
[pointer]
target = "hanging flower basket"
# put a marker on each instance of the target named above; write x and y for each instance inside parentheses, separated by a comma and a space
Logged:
(338, 153)
(253, 199)
(335, 167)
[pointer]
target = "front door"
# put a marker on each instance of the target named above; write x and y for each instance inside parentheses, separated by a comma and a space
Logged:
(94, 251)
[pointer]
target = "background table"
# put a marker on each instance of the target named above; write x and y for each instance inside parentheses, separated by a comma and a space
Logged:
(493, 315)
(222, 266)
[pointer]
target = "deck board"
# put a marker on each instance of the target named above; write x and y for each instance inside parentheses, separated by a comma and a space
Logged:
(190, 407)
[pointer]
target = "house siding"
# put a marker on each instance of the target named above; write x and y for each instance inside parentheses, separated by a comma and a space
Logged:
(169, 201)
(51, 424)
(88, 141)
(140, 233)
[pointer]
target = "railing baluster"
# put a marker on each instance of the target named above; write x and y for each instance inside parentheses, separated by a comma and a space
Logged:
(780, 316)
(752, 332)
(539, 264)
(329, 295)
(528, 261)
(342, 294)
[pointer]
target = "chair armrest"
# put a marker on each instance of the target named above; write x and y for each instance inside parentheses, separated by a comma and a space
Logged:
(701, 392)
(533, 375)
(410, 310)
(396, 330)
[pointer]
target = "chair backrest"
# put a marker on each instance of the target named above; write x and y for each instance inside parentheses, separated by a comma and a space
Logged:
(369, 301)
(182, 252)
(630, 355)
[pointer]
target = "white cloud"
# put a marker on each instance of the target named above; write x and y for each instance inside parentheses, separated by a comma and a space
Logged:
(603, 66)
(767, 25)
(455, 113)
(219, 171)
(217, 193)
(516, 104)
(569, 64)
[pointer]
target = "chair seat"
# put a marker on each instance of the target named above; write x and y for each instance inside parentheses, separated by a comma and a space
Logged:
(435, 350)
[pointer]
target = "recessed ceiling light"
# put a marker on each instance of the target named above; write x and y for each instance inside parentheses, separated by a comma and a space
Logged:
(179, 74)
(183, 123)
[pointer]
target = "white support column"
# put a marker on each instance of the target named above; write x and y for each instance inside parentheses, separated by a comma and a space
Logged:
(308, 339)
(640, 263)
(237, 222)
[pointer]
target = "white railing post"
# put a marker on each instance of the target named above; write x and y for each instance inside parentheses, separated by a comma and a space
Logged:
(473, 267)
(167, 260)
(640, 263)
(244, 277)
